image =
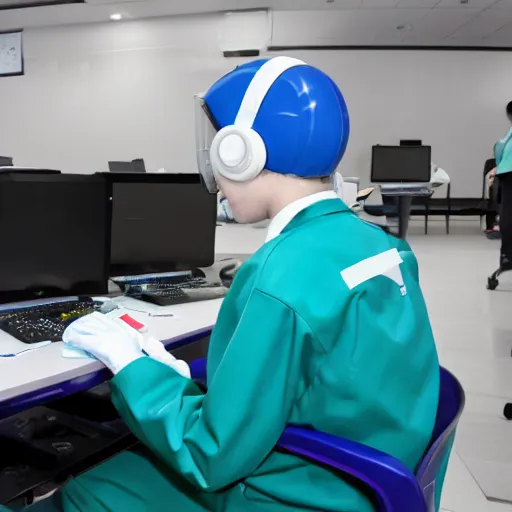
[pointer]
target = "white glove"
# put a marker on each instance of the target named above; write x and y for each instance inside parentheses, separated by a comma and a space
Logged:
(113, 342)
(155, 349)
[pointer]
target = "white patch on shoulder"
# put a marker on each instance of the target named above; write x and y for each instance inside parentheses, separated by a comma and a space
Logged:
(384, 264)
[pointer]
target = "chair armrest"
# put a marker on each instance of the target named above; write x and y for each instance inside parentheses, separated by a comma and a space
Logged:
(395, 486)
(198, 370)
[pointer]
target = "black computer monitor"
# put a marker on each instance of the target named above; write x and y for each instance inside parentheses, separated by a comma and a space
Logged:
(401, 164)
(161, 223)
(122, 167)
(55, 232)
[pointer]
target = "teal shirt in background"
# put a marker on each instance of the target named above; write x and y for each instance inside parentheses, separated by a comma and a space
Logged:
(293, 345)
(503, 154)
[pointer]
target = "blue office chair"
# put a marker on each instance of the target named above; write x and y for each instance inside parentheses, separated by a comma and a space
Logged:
(395, 487)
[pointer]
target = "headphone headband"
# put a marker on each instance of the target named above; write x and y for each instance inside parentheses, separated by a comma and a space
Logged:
(260, 84)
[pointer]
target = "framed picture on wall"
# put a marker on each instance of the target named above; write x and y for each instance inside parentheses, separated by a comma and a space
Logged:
(11, 54)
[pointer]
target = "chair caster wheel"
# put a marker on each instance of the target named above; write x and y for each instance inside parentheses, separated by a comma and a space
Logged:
(492, 283)
(507, 412)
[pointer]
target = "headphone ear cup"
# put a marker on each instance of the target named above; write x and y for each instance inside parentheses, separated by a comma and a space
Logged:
(238, 154)
(258, 156)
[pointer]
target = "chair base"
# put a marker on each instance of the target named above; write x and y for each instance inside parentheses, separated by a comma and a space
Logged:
(492, 281)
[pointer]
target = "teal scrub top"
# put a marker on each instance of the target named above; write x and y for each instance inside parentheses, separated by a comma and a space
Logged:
(503, 154)
(298, 341)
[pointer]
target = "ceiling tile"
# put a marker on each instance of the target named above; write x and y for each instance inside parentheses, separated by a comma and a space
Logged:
(441, 23)
(363, 26)
(485, 24)
(503, 35)
(503, 4)
(311, 5)
(412, 40)
(417, 3)
(379, 4)
(472, 4)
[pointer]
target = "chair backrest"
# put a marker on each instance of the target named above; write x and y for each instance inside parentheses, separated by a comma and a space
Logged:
(432, 469)
(395, 487)
(139, 165)
(6, 161)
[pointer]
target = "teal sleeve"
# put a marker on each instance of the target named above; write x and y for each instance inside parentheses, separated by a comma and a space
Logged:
(499, 147)
(221, 437)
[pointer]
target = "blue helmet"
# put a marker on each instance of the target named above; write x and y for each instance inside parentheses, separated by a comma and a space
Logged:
(300, 116)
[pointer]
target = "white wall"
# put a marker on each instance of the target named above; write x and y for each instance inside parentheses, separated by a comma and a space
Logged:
(95, 93)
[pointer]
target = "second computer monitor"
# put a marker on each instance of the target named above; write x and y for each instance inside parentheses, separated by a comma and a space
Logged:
(55, 235)
(401, 164)
(161, 223)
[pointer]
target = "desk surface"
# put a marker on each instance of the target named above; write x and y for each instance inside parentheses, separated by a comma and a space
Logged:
(44, 370)
(44, 367)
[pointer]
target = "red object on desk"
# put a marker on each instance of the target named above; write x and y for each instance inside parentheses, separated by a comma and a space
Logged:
(132, 322)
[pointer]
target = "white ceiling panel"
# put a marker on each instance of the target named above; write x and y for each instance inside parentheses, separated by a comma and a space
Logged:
(311, 22)
(440, 23)
(408, 4)
(472, 4)
(105, 2)
(485, 24)
(502, 37)
(23, 3)
(307, 5)
(357, 27)
(379, 4)
(502, 4)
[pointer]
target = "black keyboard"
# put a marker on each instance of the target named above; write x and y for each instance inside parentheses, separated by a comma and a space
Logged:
(167, 292)
(46, 322)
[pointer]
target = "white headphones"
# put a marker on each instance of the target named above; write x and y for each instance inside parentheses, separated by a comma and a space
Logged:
(238, 152)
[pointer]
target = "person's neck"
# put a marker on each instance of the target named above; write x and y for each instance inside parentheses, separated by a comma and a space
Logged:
(282, 200)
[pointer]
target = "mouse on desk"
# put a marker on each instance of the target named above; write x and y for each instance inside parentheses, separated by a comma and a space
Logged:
(227, 273)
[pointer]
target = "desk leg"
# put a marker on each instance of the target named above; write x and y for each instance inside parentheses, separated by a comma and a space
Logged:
(404, 213)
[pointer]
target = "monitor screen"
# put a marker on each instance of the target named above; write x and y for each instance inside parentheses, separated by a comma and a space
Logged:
(401, 164)
(161, 223)
(55, 235)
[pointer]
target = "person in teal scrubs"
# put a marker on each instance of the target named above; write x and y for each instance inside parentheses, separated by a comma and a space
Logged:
(325, 325)
(503, 156)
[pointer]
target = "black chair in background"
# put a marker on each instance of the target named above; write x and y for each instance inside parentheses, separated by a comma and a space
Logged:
(136, 165)
(139, 165)
(433, 206)
(6, 161)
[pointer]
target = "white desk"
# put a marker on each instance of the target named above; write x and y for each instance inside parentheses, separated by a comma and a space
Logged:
(43, 372)
(45, 367)
(239, 239)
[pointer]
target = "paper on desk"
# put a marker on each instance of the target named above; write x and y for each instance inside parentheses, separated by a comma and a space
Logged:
(75, 353)
(147, 308)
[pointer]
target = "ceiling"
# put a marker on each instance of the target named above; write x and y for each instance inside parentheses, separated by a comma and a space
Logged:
(359, 22)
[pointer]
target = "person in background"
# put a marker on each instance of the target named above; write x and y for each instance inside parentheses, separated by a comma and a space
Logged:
(325, 325)
(503, 156)
(492, 230)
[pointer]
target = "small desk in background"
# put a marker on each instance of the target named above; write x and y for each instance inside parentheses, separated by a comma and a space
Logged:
(403, 199)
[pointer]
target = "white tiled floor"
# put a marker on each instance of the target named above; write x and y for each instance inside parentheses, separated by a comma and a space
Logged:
(473, 329)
